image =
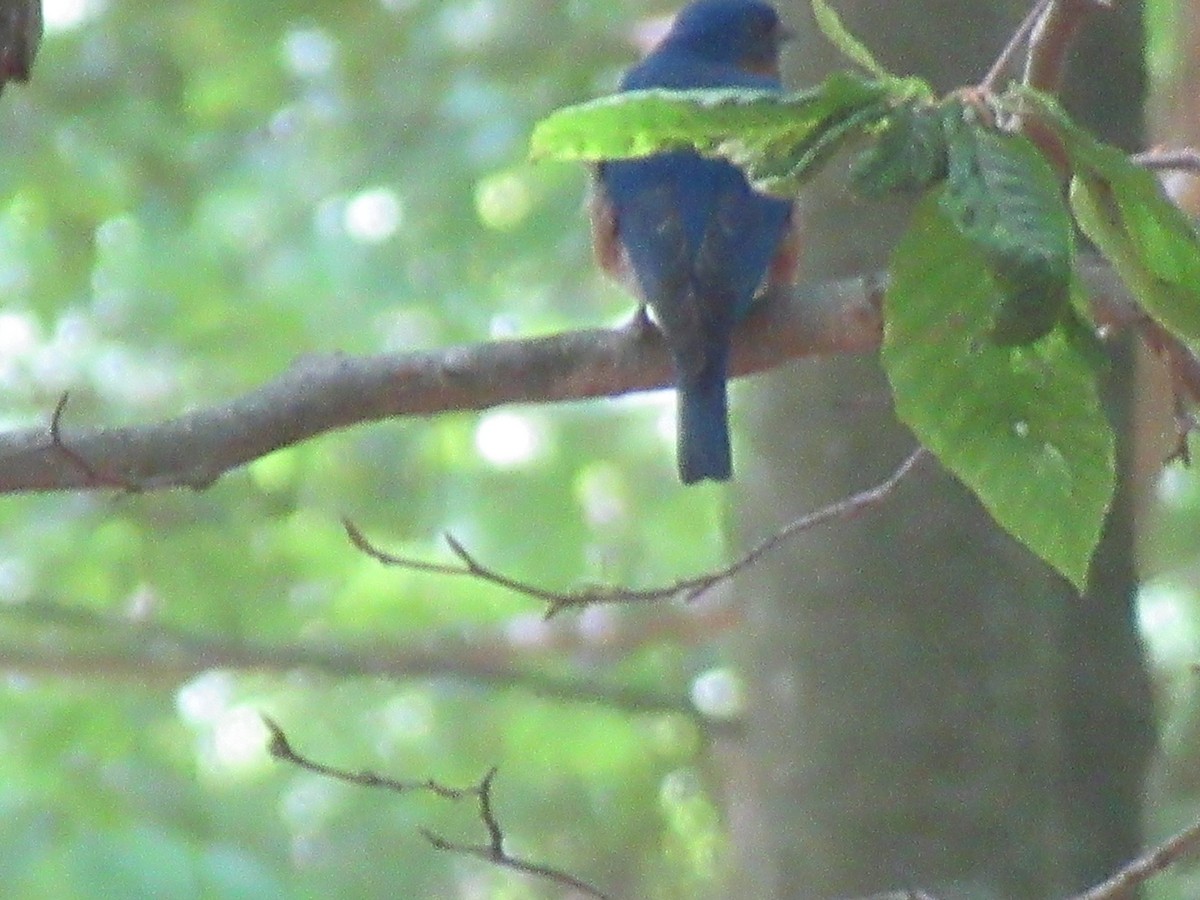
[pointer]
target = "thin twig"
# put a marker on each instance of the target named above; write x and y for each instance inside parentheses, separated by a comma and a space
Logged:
(280, 748)
(688, 588)
(1016, 44)
(1185, 159)
(493, 851)
(842, 509)
(1051, 37)
(1049, 42)
(1183, 368)
(76, 459)
(1146, 866)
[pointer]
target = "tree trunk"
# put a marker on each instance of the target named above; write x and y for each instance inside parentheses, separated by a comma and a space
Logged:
(932, 707)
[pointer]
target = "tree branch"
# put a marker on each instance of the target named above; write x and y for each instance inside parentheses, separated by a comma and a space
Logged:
(95, 646)
(326, 393)
(1184, 159)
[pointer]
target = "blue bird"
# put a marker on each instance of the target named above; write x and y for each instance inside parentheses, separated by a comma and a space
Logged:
(687, 234)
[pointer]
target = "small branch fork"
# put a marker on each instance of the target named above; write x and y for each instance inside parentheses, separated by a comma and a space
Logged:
(493, 851)
(689, 589)
(1136, 873)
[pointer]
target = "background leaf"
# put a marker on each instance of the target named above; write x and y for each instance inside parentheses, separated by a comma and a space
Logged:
(851, 47)
(1122, 208)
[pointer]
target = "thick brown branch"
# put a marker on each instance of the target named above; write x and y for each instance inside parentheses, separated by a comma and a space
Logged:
(321, 394)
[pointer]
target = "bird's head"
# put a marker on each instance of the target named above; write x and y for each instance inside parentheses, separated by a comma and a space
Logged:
(744, 33)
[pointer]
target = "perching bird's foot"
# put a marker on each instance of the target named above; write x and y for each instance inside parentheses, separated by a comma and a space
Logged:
(641, 324)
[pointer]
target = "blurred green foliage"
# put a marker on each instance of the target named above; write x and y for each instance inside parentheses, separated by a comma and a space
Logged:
(192, 196)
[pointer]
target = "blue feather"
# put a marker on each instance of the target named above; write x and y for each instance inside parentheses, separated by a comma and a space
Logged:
(700, 240)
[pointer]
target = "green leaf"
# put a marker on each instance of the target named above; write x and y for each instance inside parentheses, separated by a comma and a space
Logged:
(639, 123)
(1004, 197)
(851, 47)
(1121, 207)
(901, 88)
(781, 167)
(1022, 427)
(909, 153)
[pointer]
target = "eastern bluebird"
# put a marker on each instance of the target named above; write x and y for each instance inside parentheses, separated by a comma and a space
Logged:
(688, 235)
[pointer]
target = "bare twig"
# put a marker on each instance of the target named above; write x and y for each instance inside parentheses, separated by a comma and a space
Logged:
(1185, 159)
(1051, 38)
(1016, 44)
(843, 509)
(493, 851)
(1145, 867)
(688, 588)
(470, 565)
(280, 748)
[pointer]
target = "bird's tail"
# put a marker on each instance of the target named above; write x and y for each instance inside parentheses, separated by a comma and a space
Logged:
(704, 427)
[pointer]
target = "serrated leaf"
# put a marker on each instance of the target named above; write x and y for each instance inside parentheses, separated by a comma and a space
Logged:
(1004, 197)
(909, 153)
(1022, 427)
(782, 167)
(639, 123)
(1121, 207)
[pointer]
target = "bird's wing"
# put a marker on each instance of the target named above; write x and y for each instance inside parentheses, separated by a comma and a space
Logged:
(655, 242)
(698, 239)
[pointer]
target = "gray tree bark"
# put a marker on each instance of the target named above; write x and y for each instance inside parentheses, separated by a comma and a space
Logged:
(931, 706)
